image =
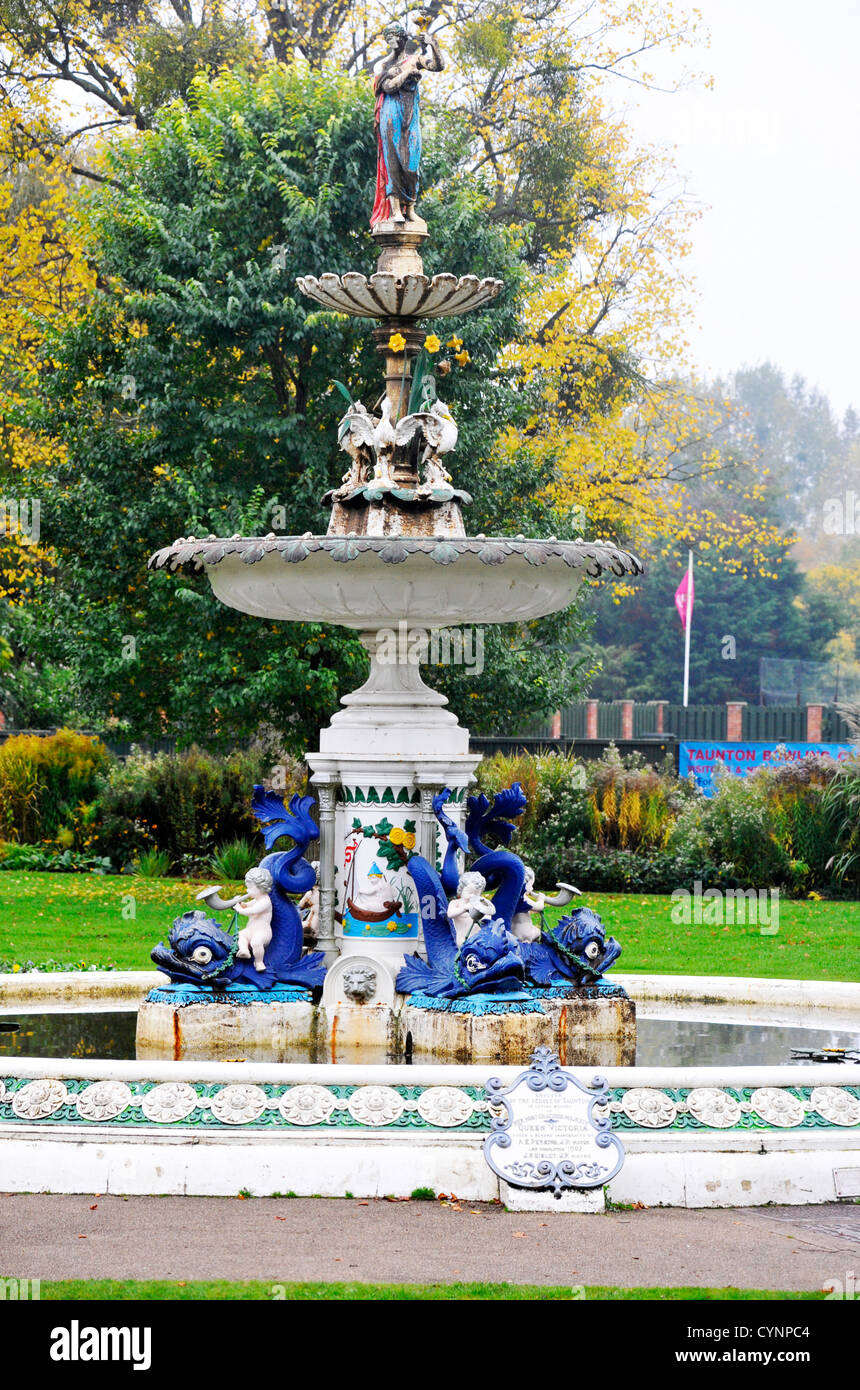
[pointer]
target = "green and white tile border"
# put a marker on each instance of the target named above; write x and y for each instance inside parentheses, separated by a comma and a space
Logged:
(30, 1095)
(709, 1136)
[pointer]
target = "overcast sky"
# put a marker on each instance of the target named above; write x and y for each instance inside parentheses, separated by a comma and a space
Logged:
(772, 151)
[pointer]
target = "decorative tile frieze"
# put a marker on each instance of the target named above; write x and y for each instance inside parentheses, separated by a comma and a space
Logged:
(142, 1104)
(104, 1100)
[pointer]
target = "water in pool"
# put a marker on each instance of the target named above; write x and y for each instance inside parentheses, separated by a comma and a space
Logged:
(660, 1042)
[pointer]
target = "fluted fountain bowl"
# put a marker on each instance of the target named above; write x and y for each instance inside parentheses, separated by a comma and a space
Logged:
(371, 582)
(388, 296)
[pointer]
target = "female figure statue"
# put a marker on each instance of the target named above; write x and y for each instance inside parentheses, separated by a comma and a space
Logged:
(398, 127)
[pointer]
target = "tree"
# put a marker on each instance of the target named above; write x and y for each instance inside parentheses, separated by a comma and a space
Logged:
(194, 396)
(535, 178)
(737, 620)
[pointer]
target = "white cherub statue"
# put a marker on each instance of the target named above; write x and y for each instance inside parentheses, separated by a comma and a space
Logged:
(309, 907)
(469, 906)
(523, 926)
(256, 905)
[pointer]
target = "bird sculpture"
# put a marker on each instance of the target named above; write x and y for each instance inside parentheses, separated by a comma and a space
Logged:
(441, 434)
(355, 437)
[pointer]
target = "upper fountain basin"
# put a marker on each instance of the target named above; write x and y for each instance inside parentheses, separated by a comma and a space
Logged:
(386, 296)
(371, 582)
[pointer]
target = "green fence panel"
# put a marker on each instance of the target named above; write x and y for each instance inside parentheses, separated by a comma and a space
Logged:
(774, 724)
(696, 722)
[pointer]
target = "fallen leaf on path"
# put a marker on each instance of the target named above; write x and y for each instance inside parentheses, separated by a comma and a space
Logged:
(94, 1207)
(519, 1233)
(364, 1204)
(280, 1218)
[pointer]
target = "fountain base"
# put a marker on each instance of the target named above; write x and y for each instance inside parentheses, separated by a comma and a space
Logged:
(586, 1027)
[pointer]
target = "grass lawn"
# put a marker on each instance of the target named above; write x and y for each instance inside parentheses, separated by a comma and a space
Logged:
(159, 1290)
(88, 917)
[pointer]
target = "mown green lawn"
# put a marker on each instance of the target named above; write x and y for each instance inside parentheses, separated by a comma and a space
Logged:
(158, 1290)
(115, 921)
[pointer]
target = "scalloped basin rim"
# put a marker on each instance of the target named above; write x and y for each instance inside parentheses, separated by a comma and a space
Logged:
(372, 583)
(385, 295)
(594, 556)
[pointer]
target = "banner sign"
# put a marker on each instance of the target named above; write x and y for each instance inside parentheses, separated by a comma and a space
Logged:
(701, 760)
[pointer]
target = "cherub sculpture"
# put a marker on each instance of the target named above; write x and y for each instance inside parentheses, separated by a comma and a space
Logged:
(309, 907)
(256, 905)
(469, 906)
(268, 952)
(523, 925)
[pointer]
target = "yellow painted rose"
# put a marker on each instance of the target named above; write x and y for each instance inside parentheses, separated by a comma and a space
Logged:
(432, 343)
(397, 342)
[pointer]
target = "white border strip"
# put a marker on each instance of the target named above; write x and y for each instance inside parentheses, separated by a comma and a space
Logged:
(355, 1074)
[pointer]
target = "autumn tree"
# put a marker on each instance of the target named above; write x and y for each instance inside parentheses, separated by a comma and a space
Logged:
(524, 143)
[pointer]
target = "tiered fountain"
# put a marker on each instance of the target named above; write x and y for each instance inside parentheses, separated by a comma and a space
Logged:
(408, 956)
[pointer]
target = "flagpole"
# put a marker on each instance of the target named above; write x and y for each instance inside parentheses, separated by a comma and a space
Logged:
(687, 625)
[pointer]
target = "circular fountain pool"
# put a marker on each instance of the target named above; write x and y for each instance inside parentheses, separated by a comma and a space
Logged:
(683, 1040)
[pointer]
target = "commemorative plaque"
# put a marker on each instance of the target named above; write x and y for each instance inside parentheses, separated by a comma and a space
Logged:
(547, 1135)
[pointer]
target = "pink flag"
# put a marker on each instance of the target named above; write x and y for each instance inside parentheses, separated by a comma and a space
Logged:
(684, 595)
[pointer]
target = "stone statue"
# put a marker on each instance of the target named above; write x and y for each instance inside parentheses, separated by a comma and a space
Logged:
(309, 907)
(523, 925)
(398, 125)
(469, 906)
(355, 437)
(376, 445)
(441, 434)
(256, 905)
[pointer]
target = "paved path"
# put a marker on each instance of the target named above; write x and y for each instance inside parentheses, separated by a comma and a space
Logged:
(283, 1239)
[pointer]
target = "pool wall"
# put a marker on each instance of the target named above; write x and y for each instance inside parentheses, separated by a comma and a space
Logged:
(694, 1137)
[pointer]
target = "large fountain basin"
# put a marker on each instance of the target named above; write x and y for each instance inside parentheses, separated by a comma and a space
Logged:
(367, 583)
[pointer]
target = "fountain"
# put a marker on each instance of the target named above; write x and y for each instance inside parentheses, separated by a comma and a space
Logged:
(409, 956)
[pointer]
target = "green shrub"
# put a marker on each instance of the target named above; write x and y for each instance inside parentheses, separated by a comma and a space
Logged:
(152, 863)
(841, 807)
(232, 861)
(617, 825)
(43, 782)
(184, 803)
(38, 857)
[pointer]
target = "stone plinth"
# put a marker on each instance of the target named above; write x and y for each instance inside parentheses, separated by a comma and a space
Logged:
(589, 1201)
(597, 1032)
(258, 1032)
(584, 1032)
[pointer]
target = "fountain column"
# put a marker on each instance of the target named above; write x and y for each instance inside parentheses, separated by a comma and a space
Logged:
(390, 748)
(327, 794)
